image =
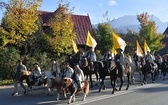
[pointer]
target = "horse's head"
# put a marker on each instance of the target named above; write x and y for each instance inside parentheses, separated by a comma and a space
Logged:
(84, 61)
(67, 82)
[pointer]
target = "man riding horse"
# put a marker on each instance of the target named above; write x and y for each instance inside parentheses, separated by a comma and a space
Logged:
(91, 57)
(150, 59)
(107, 58)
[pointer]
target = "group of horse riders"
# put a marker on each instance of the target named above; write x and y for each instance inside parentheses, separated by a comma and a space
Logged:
(120, 60)
(76, 73)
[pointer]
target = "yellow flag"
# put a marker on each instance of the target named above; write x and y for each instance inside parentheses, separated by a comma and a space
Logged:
(90, 41)
(139, 50)
(118, 42)
(114, 52)
(74, 46)
(146, 48)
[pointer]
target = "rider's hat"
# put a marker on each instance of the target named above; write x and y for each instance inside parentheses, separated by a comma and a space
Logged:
(19, 60)
(119, 49)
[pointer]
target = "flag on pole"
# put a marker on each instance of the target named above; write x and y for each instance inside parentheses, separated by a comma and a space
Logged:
(74, 46)
(114, 52)
(146, 48)
(118, 42)
(90, 41)
(139, 50)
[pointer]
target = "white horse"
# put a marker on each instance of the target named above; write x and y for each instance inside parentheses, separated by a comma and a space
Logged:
(134, 69)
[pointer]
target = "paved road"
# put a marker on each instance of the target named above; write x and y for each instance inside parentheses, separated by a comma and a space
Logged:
(150, 94)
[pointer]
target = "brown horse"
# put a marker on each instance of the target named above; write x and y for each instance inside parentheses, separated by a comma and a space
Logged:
(71, 85)
(57, 83)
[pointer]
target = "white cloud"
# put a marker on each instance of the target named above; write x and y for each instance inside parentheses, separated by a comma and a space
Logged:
(112, 2)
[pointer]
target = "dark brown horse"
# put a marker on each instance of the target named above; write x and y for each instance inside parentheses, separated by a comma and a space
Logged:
(111, 70)
(88, 70)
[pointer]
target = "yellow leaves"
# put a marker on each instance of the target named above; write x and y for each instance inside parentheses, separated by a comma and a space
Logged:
(20, 19)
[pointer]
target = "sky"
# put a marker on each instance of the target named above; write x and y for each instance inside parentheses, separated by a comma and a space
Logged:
(116, 8)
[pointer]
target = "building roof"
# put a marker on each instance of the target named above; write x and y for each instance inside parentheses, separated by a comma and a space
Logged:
(166, 31)
(82, 24)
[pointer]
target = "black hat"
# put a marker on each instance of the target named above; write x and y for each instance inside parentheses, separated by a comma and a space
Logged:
(119, 49)
(19, 60)
(66, 63)
(36, 63)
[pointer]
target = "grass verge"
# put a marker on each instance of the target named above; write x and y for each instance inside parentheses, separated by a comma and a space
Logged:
(6, 82)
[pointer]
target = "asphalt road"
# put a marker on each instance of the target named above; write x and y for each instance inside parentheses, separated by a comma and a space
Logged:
(150, 94)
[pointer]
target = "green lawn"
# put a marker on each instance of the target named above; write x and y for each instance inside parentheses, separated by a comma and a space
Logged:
(6, 82)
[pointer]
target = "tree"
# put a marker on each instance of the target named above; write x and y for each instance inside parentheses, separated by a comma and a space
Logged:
(62, 34)
(105, 37)
(19, 21)
(148, 31)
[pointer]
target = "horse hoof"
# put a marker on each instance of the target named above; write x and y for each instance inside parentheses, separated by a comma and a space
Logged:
(83, 99)
(145, 82)
(112, 92)
(142, 84)
(153, 81)
(126, 88)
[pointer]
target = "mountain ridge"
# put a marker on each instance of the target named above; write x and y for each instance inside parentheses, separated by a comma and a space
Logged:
(130, 22)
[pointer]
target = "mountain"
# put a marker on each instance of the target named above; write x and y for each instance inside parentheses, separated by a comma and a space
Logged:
(121, 24)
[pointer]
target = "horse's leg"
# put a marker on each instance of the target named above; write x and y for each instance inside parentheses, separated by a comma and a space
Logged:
(91, 82)
(73, 98)
(58, 95)
(84, 96)
(97, 78)
(112, 83)
(101, 84)
(121, 78)
(128, 81)
(65, 95)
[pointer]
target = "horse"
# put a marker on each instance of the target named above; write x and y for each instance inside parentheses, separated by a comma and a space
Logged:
(57, 82)
(103, 69)
(115, 73)
(42, 81)
(135, 68)
(111, 70)
(149, 68)
(88, 70)
(72, 86)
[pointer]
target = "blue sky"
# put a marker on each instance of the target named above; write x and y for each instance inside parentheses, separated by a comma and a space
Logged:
(116, 8)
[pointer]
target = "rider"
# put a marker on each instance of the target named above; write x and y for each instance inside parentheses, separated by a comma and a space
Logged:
(149, 59)
(136, 58)
(91, 57)
(68, 71)
(107, 58)
(79, 76)
(119, 59)
(36, 72)
(55, 69)
(79, 55)
(18, 79)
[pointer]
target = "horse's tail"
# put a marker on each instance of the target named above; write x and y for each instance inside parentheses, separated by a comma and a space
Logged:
(86, 89)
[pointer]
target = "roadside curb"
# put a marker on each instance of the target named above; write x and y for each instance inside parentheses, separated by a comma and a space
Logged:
(6, 86)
